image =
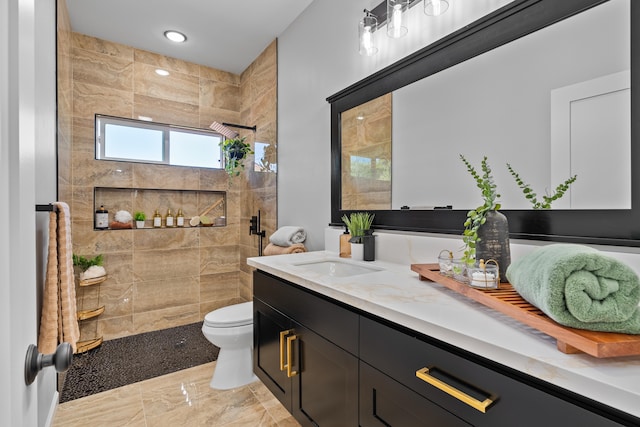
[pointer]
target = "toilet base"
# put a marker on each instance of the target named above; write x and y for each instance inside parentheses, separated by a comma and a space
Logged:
(234, 368)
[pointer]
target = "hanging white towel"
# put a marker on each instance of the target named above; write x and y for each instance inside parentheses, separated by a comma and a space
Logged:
(59, 322)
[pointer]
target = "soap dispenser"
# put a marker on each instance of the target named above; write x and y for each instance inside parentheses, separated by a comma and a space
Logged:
(345, 246)
(369, 243)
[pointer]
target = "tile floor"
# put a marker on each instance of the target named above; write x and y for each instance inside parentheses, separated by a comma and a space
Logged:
(182, 398)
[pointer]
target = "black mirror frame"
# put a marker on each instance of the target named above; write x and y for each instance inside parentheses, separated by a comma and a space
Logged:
(519, 18)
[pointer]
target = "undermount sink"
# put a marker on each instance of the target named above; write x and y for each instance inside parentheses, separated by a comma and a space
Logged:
(336, 268)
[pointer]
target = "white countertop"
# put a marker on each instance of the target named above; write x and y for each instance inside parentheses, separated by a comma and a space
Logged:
(396, 293)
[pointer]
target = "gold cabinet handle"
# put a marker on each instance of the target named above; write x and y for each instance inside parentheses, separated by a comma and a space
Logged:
(283, 334)
(425, 375)
(290, 372)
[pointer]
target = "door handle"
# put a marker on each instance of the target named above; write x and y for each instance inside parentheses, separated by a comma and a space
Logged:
(481, 406)
(290, 340)
(35, 361)
(283, 335)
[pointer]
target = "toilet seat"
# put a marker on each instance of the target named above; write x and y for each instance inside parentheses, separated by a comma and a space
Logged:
(230, 316)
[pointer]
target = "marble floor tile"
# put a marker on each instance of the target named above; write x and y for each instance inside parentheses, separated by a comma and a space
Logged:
(182, 398)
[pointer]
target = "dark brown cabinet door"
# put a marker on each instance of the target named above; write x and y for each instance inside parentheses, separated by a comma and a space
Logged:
(268, 357)
(325, 387)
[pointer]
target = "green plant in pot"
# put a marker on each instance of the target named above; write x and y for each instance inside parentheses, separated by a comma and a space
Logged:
(140, 217)
(547, 199)
(486, 231)
(359, 225)
(234, 151)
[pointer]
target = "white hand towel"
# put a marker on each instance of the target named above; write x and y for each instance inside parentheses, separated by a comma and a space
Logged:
(288, 235)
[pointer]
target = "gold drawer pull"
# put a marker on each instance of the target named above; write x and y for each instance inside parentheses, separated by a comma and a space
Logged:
(283, 334)
(290, 372)
(424, 375)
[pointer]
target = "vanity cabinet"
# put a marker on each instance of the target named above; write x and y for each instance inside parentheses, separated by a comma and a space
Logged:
(304, 350)
(476, 394)
(333, 365)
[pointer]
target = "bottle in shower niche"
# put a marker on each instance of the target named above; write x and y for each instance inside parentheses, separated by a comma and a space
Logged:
(180, 218)
(168, 220)
(157, 219)
(102, 218)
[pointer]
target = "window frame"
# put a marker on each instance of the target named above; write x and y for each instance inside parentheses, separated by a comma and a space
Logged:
(101, 120)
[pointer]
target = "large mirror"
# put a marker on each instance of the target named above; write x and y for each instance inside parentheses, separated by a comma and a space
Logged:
(548, 93)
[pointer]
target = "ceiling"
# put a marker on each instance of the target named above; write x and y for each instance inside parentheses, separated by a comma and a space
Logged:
(224, 34)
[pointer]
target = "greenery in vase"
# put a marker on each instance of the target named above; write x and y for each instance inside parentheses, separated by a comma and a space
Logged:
(234, 151)
(358, 223)
(139, 216)
(85, 263)
(532, 197)
(478, 216)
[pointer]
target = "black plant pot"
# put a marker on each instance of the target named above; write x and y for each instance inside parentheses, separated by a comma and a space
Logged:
(236, 152)
(493, 242)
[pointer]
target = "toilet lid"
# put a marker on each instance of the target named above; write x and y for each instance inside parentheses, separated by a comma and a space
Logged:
(230, 316)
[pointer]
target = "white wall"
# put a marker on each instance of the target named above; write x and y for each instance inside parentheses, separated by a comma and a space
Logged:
(317, 57)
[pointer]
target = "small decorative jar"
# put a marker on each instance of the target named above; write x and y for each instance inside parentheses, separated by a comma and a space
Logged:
(445, 262)
(459, 268)
(484, 275)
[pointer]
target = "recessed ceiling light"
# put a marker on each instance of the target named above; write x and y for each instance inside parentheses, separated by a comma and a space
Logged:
(162, 72)
(175, 36)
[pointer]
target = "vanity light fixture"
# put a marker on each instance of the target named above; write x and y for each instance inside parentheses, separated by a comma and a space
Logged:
(396, 18)
(393, 14)
(435, 7)
(161, 72)
(366, 28)
(175, 36)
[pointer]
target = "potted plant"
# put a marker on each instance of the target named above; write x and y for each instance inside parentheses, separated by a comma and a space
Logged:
(359, 225)
(234, 151)
(90, 267)
(486, 231)
(140, 217)
(532, 197)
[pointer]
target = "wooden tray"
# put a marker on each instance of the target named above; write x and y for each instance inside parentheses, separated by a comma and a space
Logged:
(507, 301)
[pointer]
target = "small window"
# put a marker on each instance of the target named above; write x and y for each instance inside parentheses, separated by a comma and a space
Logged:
(147, 142)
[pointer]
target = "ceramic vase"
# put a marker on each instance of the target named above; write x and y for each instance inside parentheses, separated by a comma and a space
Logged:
(493, 242)
(357, 251)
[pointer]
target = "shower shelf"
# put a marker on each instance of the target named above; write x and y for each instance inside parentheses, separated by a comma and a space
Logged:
(83, 346)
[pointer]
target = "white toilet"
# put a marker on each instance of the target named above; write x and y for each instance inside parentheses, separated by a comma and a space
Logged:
(231, 329)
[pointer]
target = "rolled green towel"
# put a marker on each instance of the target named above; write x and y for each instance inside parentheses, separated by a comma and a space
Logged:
(579, 287)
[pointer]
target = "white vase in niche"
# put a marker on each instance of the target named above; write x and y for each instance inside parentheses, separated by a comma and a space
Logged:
(357, 251)
(139, 224)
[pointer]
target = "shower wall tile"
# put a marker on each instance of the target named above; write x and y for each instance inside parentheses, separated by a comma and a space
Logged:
(117, 299)
(165, 264)
(84, 135)
(165, 111)
(219, 259)
(91, 99)
(143, 57)
(113, 328)
(89, 172)
(148, 321)
(219, 95)
(166, 239)
(93, 44)
(102, 70)
(209, 115)
(162, 294)
(88, 241)
(165, 177)
(214, 287)
(178, 87)
(209, 73)
(209, 306)
(219, 236)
